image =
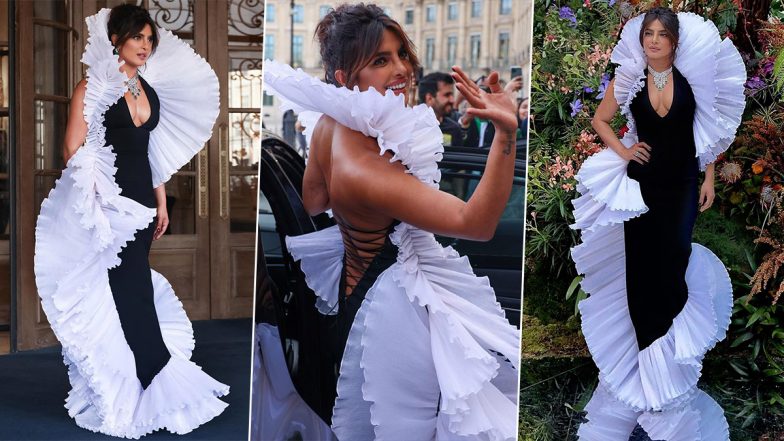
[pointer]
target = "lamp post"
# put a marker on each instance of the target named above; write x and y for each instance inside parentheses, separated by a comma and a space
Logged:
(291, 39)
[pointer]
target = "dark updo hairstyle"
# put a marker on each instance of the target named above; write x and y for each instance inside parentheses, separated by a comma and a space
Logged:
(668, 18)
(350, 35)
(126, 20)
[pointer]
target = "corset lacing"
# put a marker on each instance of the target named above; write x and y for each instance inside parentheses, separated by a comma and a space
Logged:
(361, 247)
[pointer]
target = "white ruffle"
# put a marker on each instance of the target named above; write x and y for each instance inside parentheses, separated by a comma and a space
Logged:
(712, 66)
(697, 419)
(277, 409)
(412, 134)
(439, 376)
(83, 224)
(321, 251)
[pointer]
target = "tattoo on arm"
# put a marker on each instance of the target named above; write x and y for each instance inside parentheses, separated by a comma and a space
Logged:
(509, 143)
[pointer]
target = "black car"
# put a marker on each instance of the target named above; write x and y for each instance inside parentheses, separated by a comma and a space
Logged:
(291, 304)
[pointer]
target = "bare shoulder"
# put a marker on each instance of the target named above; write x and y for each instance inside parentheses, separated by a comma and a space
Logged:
(79, 92)
(356, 160)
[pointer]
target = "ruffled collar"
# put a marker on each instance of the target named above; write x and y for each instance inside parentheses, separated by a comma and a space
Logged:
(712, 66)
(412, 134)
(186, 85)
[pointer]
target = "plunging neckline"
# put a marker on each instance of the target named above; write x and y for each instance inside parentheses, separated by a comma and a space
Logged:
(648, 94)
(128, 106)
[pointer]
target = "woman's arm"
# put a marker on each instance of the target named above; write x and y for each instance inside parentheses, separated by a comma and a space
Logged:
(162, 213)
(604, 115)
(381, 188)
(76, 129)
(707, 192)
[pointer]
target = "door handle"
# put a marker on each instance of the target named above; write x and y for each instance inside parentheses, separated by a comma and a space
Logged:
(223, 174)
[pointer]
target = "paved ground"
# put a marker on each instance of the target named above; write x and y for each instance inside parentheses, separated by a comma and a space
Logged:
(34, 384)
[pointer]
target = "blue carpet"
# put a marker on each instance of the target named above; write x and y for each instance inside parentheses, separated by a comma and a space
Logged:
(34, 384)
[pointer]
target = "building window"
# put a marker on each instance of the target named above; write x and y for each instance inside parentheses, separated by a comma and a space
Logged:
(451, 50)
(324, 10)
(476, 45)
(299, 13)
(430, 52)
(269, 47)
(409, 16)
(267, 100)
(387, 11)
(296, 43)
(451, 11)
(269, 13)
(430, 13)
(503, 45)
(476, 8)
(505, 7)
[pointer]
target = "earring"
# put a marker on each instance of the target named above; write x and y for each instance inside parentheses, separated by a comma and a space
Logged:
(116, 51)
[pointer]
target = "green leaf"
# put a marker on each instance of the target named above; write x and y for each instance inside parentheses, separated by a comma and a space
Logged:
(575, 283)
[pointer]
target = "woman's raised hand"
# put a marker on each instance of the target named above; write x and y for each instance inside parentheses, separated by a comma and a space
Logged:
(495, 106)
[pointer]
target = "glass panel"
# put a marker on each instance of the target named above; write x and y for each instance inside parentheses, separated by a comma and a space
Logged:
(244, 151)
(174, 15)
(43, 184)
(430, 15)
(4, 186)
(181, 204)
(503, 45)
(270, 14)
(50, 64)
(246, 19)
(505, 7)
(476, 8)
(452, 11)
(430, 49)
(509, 233)
(51, 10)
(245, 78)
(324, 10)
(297, 49)
(299, 13)
(4, 78)
(270, 240)
(269, 47)
(50, 121)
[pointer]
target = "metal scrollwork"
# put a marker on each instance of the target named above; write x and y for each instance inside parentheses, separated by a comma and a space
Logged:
(174, 15)
(246, 17)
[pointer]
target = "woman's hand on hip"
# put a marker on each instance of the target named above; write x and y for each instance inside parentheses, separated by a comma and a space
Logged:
(639, 152)
(162, 224)
(495, 106)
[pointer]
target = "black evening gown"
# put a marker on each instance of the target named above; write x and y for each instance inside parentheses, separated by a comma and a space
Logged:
(658, 243)
(131, 281)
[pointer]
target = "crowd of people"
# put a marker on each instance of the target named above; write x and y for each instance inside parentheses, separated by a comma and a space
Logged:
(437, 91)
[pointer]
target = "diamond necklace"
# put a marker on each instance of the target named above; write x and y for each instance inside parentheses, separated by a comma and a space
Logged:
(660, 78)
(133, 86)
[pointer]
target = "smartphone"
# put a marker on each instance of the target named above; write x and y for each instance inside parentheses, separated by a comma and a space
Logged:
(517, 71)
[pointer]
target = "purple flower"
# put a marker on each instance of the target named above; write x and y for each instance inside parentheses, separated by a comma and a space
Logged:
(577, 106)
(755, 83)
(767, 67)
(588, 89)
(603, 86)
(612, 2)
(566, 13)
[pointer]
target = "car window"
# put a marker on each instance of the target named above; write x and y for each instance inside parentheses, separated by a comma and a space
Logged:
(508, 238)
(270, 240)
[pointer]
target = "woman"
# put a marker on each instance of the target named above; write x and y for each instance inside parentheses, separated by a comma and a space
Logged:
(657, 302)
(422, 347)
(126, 339)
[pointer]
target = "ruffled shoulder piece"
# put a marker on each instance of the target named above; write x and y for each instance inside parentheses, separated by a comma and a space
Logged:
(186, 86)
(412, 134)
(712, 66)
